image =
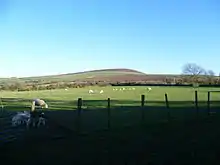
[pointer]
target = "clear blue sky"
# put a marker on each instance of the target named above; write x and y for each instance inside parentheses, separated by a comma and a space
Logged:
(41, 37)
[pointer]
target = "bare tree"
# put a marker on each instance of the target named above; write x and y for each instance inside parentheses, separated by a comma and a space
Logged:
(218, 80)
(193, 69)
(210, 75)
(192, 72)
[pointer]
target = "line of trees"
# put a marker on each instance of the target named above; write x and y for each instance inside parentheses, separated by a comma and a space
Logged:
(195, 74)
(192, 74)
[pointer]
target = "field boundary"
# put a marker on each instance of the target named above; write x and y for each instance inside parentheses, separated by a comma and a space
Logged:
(143, 101)
(77, 120)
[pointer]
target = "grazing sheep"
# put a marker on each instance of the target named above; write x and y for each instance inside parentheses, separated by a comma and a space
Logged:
(41, 120)
(91, 91)
(101, 91)
(28, 118)
(149, 89)
(35, 115)
(20, 118)
(33, 119)
(39, 103)
(36, 118)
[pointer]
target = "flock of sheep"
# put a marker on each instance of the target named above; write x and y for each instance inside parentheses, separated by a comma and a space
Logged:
(33, 117)
(25, 118)
(115, 89)
(95, 91)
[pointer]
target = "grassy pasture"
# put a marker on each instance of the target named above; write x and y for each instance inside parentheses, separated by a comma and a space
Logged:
(154, 97)
(181, 141)
(125, 105)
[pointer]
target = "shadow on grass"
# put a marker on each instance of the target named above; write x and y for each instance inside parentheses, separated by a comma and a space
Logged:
(186, 140)
(72, 104)
(94, 114)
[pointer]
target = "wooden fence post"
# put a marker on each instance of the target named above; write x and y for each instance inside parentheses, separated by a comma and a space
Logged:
(2, 106)
(196, 102)
(167, 106)
(208, 103)
(109, 113)
(79, 109)
(142, 108)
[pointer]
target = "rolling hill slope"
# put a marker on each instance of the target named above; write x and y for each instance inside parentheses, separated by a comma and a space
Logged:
(105, 74)
(94, 75)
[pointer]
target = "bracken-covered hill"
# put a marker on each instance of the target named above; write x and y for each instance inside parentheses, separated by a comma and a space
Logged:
(111, 75)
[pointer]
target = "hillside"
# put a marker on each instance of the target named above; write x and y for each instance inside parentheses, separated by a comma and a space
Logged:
(93, 75)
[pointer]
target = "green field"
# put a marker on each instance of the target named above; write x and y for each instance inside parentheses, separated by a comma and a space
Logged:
(57, 99)
(125, 104)
(154, 140)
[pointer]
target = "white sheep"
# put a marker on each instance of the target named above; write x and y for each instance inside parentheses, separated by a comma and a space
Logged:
(39, 120)
(149, 89)
(39, 103)
(20, 118)
(91, 91)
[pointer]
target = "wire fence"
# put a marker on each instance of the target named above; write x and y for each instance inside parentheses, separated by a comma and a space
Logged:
(109, 117)
(143, 112)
